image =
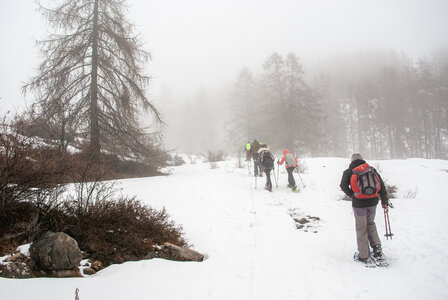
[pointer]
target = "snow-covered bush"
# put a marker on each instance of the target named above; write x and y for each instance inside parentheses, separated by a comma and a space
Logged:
(302, 167)
(214, 156)
(175, 160)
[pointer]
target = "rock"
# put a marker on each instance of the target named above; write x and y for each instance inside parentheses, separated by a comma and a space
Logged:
(17, 270)
(302, 221)
(56, 253)
(89, 271)
(97, 265)
(63, 273)
(18, 257)
(173, 252)
(152, 254)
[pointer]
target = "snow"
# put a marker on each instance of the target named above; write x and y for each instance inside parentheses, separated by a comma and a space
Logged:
(254, 249)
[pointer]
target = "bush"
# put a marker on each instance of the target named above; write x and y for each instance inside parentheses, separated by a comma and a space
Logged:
(215, 156)
(34, 181)
(116, 231)
(111, 227)
(175, 160)
(302, 167)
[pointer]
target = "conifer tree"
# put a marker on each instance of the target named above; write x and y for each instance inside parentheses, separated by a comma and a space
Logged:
(93, 64)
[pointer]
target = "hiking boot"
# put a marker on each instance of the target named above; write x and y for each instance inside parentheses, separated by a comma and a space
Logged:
(294, 188)
(377, 251)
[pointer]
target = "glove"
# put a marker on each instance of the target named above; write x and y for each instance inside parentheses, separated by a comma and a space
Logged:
(385, 203)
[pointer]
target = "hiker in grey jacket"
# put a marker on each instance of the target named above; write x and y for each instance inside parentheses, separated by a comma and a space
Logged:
(291, 164)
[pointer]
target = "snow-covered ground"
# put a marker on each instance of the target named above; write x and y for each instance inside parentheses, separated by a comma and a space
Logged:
(254, 249)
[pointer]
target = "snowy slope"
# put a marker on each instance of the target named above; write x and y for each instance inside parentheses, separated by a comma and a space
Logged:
(255, 251)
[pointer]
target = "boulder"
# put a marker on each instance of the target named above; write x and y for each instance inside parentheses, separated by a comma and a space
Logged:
(96, 265)
(57, 254)
(88, 271)
(173, 252)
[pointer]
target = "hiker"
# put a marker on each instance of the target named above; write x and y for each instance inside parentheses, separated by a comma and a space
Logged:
(363, 185)
(248, 151)
(291, 164)
(266, 163)
(254, 148)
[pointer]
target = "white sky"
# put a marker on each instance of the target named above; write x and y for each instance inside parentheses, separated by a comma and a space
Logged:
(205, 42)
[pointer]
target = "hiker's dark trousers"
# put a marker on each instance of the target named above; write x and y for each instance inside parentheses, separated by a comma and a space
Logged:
(291, 180)
(257, 169)
(268, 178)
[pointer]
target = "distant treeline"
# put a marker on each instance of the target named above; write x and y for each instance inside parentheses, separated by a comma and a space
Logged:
(381, 104)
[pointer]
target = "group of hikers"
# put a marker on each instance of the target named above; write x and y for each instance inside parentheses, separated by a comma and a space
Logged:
(360, 181)
(264, 163)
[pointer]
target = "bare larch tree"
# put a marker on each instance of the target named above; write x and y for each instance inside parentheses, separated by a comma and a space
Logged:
(93, 66)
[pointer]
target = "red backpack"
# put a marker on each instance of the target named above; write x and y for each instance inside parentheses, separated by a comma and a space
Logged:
(365, 182)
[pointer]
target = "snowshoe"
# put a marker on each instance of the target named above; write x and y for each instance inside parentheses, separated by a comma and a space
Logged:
(380, 259)
(368, 262)
(268, 188)
(293, 188)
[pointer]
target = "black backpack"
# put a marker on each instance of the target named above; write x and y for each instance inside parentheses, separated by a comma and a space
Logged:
(266, 160)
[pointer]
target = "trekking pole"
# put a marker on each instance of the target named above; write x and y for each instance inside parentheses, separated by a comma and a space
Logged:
(278, 170)
(297, 169)
(276, 181)
(387, 225)
(255, 181)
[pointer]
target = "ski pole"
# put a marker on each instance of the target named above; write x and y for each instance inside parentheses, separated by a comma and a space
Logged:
(297, 169)
(278, 170)
(255, 181)
(387, 225)
(276, 182)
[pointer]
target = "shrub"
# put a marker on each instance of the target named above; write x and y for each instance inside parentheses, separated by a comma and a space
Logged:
(123, 229)
(175, 160)
(215, 156)
(34, 198)
(411, 194)
(26, 170)
(302, 167)
(391, 190)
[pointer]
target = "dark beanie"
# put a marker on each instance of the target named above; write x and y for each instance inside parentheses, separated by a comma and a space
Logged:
(356, 156)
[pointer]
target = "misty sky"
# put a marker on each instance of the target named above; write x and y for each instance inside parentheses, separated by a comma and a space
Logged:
(204, 43)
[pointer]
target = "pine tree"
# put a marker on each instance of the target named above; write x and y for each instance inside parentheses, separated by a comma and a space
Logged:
(243, 106)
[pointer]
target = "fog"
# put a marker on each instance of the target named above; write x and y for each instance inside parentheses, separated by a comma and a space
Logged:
(198, 48)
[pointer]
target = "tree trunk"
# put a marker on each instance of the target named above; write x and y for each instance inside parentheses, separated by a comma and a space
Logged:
(94, 125)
